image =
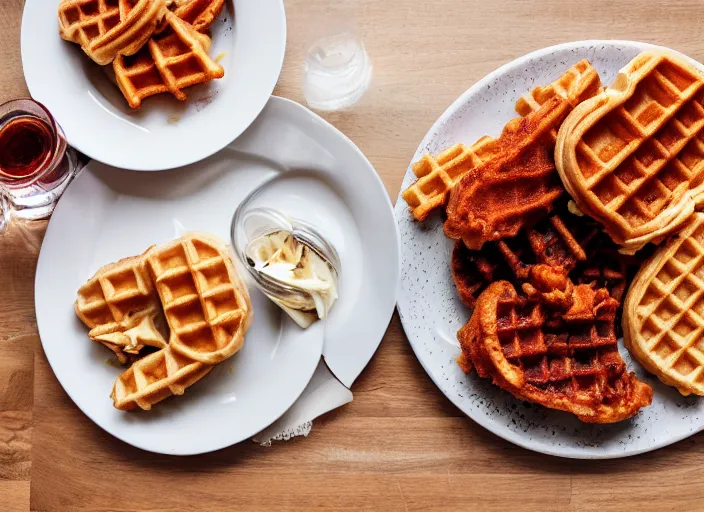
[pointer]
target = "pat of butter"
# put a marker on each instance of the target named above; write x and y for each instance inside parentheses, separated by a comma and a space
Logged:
(574, 209)
(284, 259)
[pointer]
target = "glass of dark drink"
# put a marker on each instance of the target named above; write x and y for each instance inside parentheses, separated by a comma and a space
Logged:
(36, 164)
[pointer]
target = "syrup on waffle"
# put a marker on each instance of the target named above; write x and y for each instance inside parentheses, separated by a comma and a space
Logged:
(663, 318)
(512, 190)
(171, 61)
(437, 175)
(562, 359)
(633, 156)
(107, 28)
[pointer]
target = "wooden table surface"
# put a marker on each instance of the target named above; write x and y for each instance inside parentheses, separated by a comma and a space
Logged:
(400, 445)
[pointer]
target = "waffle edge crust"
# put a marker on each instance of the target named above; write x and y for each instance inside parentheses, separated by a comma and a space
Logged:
(664, 311)
(580, 372)
(438, 175)
(632, 156)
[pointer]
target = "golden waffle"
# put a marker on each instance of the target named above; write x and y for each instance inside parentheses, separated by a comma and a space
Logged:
(106, 28)
(199, 13)
(171, 61)
(577, 84)
(154, 378)
(632, 156)
(437, 175)
(566, 360)
(512, 190)
(205, 303)
(663, 317)
(561, 239)
(121, 307)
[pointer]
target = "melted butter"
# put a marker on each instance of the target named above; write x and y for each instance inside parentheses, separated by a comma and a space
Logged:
(284, 259)
(574, 209)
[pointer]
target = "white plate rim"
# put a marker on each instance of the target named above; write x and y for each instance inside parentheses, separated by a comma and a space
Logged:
(392, 303)
(220, 139)
(415, 343)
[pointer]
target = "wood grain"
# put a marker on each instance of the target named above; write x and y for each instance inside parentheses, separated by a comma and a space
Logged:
(400, 445)
(18, 342)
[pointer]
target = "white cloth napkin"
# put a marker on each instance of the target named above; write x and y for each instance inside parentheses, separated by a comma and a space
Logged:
(323, 393)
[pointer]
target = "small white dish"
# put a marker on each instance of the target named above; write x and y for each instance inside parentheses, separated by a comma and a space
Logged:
(248, 39)
(432, 313)
(316, 174)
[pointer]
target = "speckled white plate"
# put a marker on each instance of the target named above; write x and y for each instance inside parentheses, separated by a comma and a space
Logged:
(432, 313)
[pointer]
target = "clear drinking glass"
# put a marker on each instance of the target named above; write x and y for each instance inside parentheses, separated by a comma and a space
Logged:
(337, 69)
(36, 163)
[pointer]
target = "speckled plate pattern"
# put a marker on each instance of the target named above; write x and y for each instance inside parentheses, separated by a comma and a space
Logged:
(432, 313)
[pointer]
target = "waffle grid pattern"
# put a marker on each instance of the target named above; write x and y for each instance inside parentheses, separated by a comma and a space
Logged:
(637, 158)
(189, 283)
(672, 313)
(155, 377)
(113, 295)
(170, 62)
(577, 360)
(203, 307)
(437, 175)
(120, 306)
(86, 20)
(566, 360)
(106, 28)
(577, 83)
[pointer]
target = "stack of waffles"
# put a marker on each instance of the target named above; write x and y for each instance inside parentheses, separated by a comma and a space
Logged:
(553, 219)
(632, 157)
(183, 300)
(153, 47)
(437, 175)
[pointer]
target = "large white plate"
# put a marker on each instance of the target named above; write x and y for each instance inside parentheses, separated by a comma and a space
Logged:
(319, 176)
(431, 312)
(250, 36)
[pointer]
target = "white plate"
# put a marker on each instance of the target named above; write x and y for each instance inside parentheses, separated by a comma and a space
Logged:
(164, 133)
(431, 312)
(107, 213)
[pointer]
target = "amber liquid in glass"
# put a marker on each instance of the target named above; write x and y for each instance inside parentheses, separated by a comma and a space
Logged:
(26, 142)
